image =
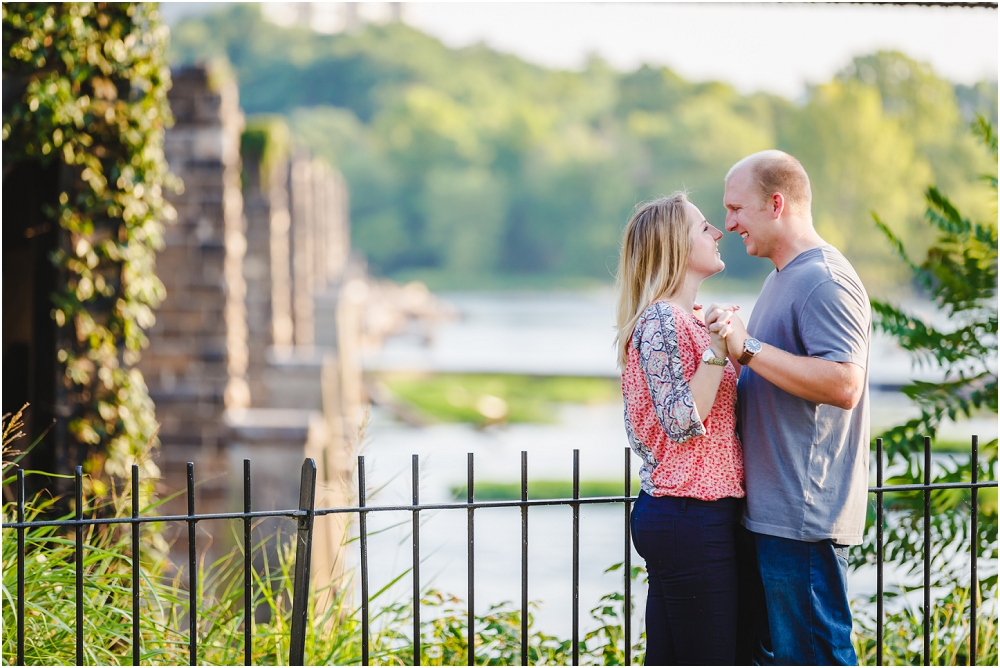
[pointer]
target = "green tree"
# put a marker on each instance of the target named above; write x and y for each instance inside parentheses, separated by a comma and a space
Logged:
(561, 157)
(868, 163)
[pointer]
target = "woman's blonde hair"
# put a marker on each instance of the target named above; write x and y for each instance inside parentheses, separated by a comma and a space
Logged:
(654, 257)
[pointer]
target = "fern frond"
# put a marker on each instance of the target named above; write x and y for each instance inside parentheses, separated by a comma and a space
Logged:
(897, 244)
(983, 129)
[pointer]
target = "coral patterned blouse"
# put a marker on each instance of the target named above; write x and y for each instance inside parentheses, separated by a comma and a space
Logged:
(682, 454)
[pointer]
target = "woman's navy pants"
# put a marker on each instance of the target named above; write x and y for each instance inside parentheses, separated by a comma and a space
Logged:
(690, 551)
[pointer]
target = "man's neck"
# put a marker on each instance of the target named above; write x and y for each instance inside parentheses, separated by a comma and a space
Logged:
(793, 246)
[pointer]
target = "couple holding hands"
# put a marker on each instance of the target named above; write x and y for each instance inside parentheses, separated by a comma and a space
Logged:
(754, 438)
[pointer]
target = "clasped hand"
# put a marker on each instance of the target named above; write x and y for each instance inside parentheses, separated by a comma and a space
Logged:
(726, 329)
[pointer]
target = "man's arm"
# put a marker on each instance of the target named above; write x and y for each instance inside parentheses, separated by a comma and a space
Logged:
(839, 384)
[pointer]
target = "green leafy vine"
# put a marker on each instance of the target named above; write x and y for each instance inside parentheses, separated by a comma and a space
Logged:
(91, 84)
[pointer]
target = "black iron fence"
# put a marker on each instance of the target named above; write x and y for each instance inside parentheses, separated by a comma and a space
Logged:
(306, 513)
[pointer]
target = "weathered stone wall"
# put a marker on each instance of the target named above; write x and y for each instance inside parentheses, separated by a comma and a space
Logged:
(266, 267)
(196, 363)
(300, 368)
(256, 350)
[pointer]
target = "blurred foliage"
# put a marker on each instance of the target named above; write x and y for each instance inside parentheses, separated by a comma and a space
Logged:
(87, 86)
(467, 162)
(265, 141)
(959, 272)
(483, 399)
(950, 633)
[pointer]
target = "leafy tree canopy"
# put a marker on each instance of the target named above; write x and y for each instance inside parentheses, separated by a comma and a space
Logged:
(471, 167)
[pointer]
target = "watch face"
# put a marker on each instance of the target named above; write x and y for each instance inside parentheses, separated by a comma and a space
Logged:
(752, 345)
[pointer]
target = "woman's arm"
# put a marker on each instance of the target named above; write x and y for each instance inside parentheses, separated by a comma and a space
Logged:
(658, 342)
(705, 381)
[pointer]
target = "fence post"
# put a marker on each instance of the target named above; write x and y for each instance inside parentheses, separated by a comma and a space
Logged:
(303, 557)
(974, 579)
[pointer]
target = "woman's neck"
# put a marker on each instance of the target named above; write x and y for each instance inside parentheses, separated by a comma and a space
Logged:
(687, 294)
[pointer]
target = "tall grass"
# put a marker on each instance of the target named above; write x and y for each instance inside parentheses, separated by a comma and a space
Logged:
(334, 636)
(950, 632)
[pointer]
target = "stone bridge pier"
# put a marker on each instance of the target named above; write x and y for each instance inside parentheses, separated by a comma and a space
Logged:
(255, 353)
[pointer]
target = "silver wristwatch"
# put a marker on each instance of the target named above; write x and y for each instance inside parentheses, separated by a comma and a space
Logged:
(750, 348)
(708, 357)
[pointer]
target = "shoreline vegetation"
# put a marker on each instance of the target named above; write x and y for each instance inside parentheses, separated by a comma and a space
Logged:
(487, 400)
(494, 490)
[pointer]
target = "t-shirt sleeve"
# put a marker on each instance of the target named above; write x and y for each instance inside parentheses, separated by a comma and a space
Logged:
(656, 340)
(835, 324)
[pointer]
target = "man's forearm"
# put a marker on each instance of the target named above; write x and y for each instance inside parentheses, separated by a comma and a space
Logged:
(821, 381)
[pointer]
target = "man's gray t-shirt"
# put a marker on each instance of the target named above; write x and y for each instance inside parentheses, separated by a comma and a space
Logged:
(807, 463)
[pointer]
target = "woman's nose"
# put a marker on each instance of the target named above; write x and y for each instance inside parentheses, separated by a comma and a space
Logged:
(716, 233)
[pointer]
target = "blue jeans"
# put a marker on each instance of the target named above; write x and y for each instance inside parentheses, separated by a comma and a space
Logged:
(808, 617)
(690, 551)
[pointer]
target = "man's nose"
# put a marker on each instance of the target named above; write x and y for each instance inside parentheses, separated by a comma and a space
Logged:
(730, 223)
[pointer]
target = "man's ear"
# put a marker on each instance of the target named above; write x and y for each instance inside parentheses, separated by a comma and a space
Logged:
(777, 205)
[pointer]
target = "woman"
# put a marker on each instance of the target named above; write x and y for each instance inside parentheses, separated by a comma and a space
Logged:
(680, 396)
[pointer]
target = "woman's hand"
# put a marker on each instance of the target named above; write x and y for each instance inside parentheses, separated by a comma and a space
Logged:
(719, 320)
(718, 343)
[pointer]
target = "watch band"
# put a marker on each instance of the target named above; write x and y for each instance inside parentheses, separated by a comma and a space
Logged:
(745, 357)
(708, 357)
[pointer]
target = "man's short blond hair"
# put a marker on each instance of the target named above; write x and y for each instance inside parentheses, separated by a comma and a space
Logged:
(778, 172)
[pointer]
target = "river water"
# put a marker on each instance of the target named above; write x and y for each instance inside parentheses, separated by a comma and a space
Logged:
(537, 333)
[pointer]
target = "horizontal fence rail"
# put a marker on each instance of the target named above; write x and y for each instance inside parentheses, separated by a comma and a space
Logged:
(306, 513)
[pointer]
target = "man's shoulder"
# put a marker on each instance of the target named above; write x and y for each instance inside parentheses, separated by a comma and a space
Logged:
(839, 266)
(842, 282)
(826, 272)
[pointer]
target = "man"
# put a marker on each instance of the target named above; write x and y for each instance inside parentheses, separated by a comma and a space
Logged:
(803, 411)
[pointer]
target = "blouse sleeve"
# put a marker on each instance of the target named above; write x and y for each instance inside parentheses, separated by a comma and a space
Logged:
(655, 339)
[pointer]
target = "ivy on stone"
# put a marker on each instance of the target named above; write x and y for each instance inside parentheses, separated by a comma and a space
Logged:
(91, 82)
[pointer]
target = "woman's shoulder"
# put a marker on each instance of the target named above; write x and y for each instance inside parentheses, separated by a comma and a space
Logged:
(663, 312)
(655, 314)
(660, 317)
